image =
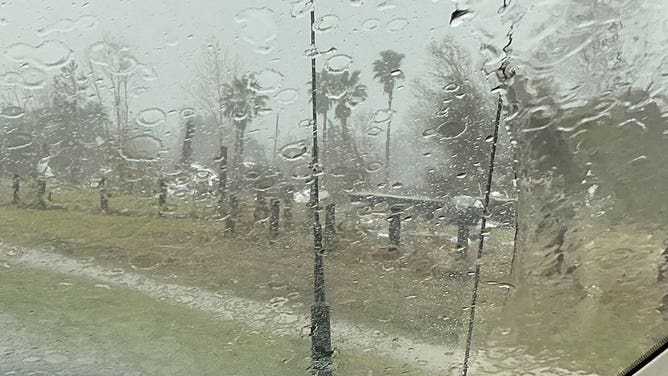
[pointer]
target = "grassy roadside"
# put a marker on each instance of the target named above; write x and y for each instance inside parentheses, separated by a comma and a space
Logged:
(395, 295)
(157, 338)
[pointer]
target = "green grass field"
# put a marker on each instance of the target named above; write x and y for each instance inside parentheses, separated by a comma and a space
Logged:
(158, 338)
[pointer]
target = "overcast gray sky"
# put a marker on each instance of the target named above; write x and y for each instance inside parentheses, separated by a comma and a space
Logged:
(168, 36)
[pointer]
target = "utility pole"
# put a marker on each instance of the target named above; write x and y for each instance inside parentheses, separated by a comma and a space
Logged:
(321, 338)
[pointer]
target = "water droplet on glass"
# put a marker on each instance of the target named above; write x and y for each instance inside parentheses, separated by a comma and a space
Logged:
(397, 185)
(300, 172)
(370, 24)
(142, 148)
(33, 78)
(258, 28)
(397, 24)
(338, 63)
(64, 25)
(301, 8)
(374, 166)
(294, 150)
(151, 117)
(386, 5)
(382, 116)
(459, 16)
(356, 3)
(263, 184)
(11, 79)
(397, 73)
(430, 132)
(48, 54)
(461, 175)
(374, 131)
(268, 80)
(12, 112)
(17, 140)
(327, 23)
(286, 96)
(306, 123)
(187, 112)
(451, 87)
(147, 73)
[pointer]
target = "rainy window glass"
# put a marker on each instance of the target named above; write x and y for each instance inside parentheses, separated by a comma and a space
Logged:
(349, 187)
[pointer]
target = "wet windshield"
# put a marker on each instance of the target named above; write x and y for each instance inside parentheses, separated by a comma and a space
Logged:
(349, 187)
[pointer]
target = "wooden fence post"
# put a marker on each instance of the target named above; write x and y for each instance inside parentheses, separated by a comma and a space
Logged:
(104, 201)
(274, 218)
(231, 221)
(395, 226)
(16, 186)
(41, 192)
(162, 196)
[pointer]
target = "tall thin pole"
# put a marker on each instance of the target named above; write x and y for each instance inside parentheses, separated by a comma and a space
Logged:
(483, 225)
(387, 144)
(321, 341)
(273, 158)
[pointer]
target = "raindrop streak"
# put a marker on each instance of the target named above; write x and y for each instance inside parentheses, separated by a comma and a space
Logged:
(294, 150)
(151, 117)
(459, 16)
(339, 63)
(397, 24)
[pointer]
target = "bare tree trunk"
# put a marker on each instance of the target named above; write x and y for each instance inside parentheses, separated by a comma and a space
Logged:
(187, 148)
(240, 130)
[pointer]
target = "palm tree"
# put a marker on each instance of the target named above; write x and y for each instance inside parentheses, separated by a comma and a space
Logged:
(353, 93)
(348, 92)
(323, 96)
(387, 71)
(242, 103)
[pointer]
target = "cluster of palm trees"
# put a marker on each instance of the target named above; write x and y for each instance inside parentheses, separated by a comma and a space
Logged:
(242, 101)
(344, 91)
